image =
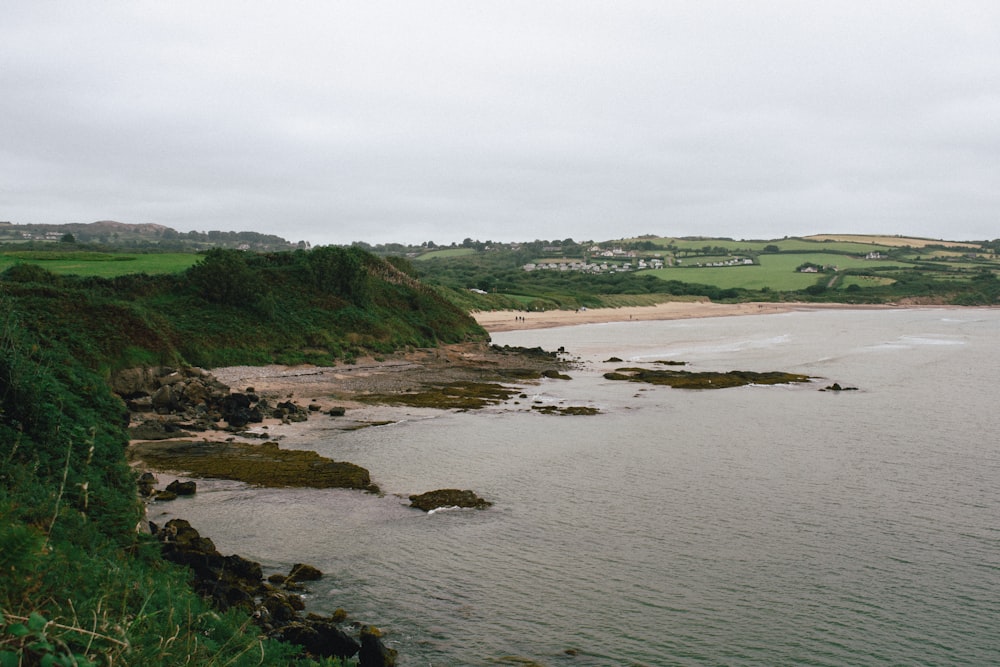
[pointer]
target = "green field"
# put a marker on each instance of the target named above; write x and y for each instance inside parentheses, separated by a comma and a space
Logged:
(863, 281)
(785, 245)
(105, 265)
(777, 272)
(445, 253)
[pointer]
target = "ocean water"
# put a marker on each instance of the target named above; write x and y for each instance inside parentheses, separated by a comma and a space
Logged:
(748, 526)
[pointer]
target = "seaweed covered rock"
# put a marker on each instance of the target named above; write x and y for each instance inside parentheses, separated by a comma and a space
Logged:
(303, 572)
(373, 652)
(180, 488)
(448, 498)
(235, 582)
(230, 581)
(705, 379)
(320, 638)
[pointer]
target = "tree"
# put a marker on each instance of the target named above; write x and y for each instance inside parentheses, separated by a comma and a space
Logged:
(224, 277)
(67, 238)
(339, 271)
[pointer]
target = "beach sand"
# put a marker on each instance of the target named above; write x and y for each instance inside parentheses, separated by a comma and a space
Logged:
(509, 320)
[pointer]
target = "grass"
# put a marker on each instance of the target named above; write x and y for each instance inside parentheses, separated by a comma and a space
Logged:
(776, 272)
(894, 241)
(863, 281)
(785, 245)
(446, 253)
(104, 265)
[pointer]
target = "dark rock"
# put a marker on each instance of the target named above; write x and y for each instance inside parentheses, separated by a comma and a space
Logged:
(373, 652)
(322, 638)
(555, 375)
(165, 495)
(155, 429)
(182, 488)
(230, 581)
(164, 399)
(337, 412)
(836, 387)
(448, 498)
(280, 608)
(146, 484)
(302, 572)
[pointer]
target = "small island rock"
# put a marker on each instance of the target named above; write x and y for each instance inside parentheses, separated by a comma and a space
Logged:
(448, 498)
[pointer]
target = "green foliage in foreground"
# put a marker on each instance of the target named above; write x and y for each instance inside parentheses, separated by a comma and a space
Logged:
(78, 584)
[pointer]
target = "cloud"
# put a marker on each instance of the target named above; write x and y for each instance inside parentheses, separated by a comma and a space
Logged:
(393, 121)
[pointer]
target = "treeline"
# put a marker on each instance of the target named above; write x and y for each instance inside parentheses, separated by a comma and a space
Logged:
(78, 584)
(111, 235)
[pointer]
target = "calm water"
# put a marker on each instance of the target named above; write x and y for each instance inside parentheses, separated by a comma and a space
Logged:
(750, 526)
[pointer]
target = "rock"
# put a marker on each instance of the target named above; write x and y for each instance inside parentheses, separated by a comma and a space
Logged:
(154, 429)
(321, 637)
(302, 572)
(134, 382)
(836, 387)
(182, 488)
(373, 652)
(280, 608)
(230, 581)
(164, 399)
(337, 412)
(165, 496)
(237, 411)
(146, 484)
(448, 498)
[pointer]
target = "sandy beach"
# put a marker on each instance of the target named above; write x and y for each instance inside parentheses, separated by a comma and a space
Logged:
(509, 320)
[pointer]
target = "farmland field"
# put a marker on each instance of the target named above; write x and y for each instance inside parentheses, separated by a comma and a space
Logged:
(776, 272)
(789, 244)
(445, 253)
(863, 281)
(105, 265)
(893, 241)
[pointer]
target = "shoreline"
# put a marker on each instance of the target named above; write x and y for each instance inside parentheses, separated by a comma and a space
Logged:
(514, 320)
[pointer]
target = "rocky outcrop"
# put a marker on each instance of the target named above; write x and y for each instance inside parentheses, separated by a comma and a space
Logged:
(705, 379)
(433, 500)
(373, 652)
(262, 464)
(166, 402)
(233, 582)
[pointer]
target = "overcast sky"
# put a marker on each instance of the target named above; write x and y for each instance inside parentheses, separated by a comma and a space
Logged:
(335, 122)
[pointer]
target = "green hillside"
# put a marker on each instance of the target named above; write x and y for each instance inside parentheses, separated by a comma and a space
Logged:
(79, 584)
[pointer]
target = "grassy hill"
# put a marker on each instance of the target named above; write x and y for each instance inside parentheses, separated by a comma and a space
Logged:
(79, 585)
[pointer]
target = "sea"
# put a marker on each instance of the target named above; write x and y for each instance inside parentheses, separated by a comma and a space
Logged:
(759, 525)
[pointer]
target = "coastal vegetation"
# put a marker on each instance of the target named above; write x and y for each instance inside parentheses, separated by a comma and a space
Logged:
(651, 269)
(79, 583)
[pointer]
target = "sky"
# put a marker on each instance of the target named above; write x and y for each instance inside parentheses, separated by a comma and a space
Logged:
(440, 120)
